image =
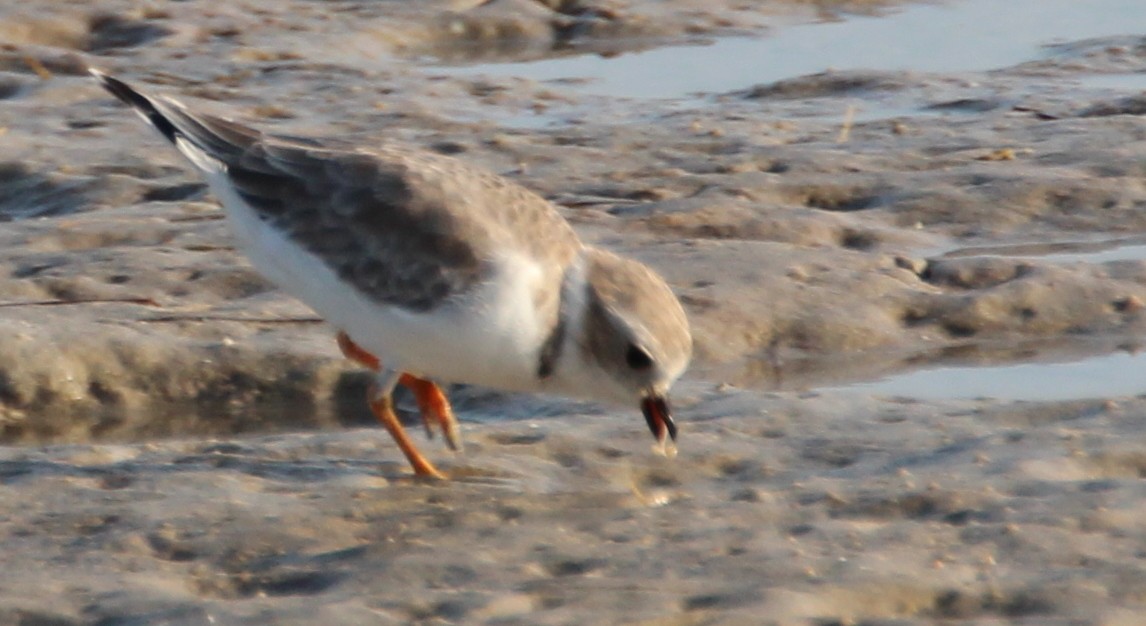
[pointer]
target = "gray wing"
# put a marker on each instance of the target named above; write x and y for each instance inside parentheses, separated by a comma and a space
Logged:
(405, 227)
(380, 226)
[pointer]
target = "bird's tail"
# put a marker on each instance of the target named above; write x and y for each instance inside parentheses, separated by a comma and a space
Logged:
(142, 105)
(211, 143)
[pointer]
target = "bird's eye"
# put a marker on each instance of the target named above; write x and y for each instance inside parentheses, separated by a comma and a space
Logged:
(637, 358)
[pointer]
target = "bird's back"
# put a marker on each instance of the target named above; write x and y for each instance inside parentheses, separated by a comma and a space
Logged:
(405, 227)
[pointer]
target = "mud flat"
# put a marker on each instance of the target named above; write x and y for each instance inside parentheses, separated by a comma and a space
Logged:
(183, 444)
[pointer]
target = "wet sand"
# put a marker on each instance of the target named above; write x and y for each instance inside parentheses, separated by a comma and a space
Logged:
(184, 445)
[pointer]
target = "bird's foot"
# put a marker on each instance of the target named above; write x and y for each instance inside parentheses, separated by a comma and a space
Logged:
(435, 409)
(433, 406)
(383, 408)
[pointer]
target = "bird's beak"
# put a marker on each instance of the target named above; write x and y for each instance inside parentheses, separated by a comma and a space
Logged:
(657, 414)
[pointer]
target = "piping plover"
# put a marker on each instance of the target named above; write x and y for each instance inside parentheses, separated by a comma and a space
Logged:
(435, 271)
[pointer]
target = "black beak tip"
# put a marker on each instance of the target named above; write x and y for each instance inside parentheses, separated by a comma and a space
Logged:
(659, 417)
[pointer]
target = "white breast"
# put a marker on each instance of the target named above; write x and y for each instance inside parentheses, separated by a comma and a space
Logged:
(489, 337)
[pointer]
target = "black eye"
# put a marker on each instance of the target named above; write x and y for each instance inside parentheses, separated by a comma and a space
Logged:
(637, 358)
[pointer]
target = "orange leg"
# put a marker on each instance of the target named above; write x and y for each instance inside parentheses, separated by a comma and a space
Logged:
(432, 404)
(383, 408)
(351, 351)
(434, 407)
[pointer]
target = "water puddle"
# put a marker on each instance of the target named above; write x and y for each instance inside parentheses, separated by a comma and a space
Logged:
(1036, 373)
(961, 36)
(1127, 83)
(1062, 252)
(1111, 375)
(1051, 369)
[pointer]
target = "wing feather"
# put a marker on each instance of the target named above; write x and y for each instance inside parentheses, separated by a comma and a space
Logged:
(405, 227)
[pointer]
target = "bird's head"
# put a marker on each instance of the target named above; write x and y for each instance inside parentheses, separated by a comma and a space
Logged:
(632, 337)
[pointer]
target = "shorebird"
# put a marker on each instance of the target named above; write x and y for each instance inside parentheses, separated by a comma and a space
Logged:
(435, 271)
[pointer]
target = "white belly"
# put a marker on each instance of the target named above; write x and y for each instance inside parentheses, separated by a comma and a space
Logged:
(489, 338)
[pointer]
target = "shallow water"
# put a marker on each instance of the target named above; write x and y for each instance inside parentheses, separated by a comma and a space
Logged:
(1111, 375)
(1063, 252)
(1066, 378)
(965, 36)
(1125, 82)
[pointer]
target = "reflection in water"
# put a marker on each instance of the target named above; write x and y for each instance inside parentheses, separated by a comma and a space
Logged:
(1112, 375)
(1045, 370)
(1062, 252)
(1116, 82)
(962, 36)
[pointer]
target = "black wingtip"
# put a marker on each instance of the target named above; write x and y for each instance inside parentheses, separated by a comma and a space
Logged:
(137, 101)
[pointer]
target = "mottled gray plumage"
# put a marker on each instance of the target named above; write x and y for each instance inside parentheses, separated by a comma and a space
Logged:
(404, 227)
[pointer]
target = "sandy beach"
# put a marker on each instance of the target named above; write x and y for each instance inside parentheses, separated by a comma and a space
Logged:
(183, 444)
